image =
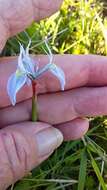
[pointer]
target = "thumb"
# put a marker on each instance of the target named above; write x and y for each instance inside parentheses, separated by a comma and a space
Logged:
(22, 147)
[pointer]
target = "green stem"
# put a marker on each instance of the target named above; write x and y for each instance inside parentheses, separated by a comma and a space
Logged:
(34, 102)
(34, 109)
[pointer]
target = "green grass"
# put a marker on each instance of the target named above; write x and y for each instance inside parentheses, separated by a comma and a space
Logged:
(78, 28)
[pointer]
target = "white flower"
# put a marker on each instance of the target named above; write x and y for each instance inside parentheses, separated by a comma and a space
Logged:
(27, 71)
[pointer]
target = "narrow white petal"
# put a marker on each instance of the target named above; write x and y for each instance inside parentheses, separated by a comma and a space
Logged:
(25, 62)
(29, 65)
(36, 66)
(58, 72)
(20, 59)
(28, 61)
(50, 52)
(27, 49)
(28, 81)
(15, 83)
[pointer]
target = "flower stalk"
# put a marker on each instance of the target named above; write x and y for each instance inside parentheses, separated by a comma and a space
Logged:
(34, 115)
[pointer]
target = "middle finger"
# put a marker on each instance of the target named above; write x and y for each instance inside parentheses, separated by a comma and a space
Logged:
(59, 107)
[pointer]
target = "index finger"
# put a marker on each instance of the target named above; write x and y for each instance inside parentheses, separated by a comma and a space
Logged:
(81, 70)
(15, 16)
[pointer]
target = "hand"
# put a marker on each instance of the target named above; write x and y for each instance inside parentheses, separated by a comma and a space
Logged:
(23, 144)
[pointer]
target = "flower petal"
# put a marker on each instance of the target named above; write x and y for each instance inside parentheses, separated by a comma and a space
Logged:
(28, 61)
(20, 59)
(50, 55)
(27, 49)
(15, 83)
(29, 65)
(42, 70)
(28, 81)
(25, 62)
(58, 72)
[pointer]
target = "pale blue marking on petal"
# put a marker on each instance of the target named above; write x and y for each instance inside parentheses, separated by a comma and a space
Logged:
(15, 83)
(29, 65)
(43, 70)
(58, 72)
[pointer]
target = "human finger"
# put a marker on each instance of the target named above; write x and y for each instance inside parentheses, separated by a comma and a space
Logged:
(22, 147)
(74, 129)
(15, 16)
(59, 107)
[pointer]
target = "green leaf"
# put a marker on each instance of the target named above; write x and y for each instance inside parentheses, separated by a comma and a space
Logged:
(72, 158)
(23, 185)
(97, 171)
(82, 172)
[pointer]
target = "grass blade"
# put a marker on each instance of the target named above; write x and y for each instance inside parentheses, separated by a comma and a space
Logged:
(82, 172)
(97, 171)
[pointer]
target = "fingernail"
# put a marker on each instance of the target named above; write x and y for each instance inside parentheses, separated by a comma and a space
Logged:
(48, 140)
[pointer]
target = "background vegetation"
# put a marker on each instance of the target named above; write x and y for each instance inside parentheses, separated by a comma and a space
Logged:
(78, 28)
